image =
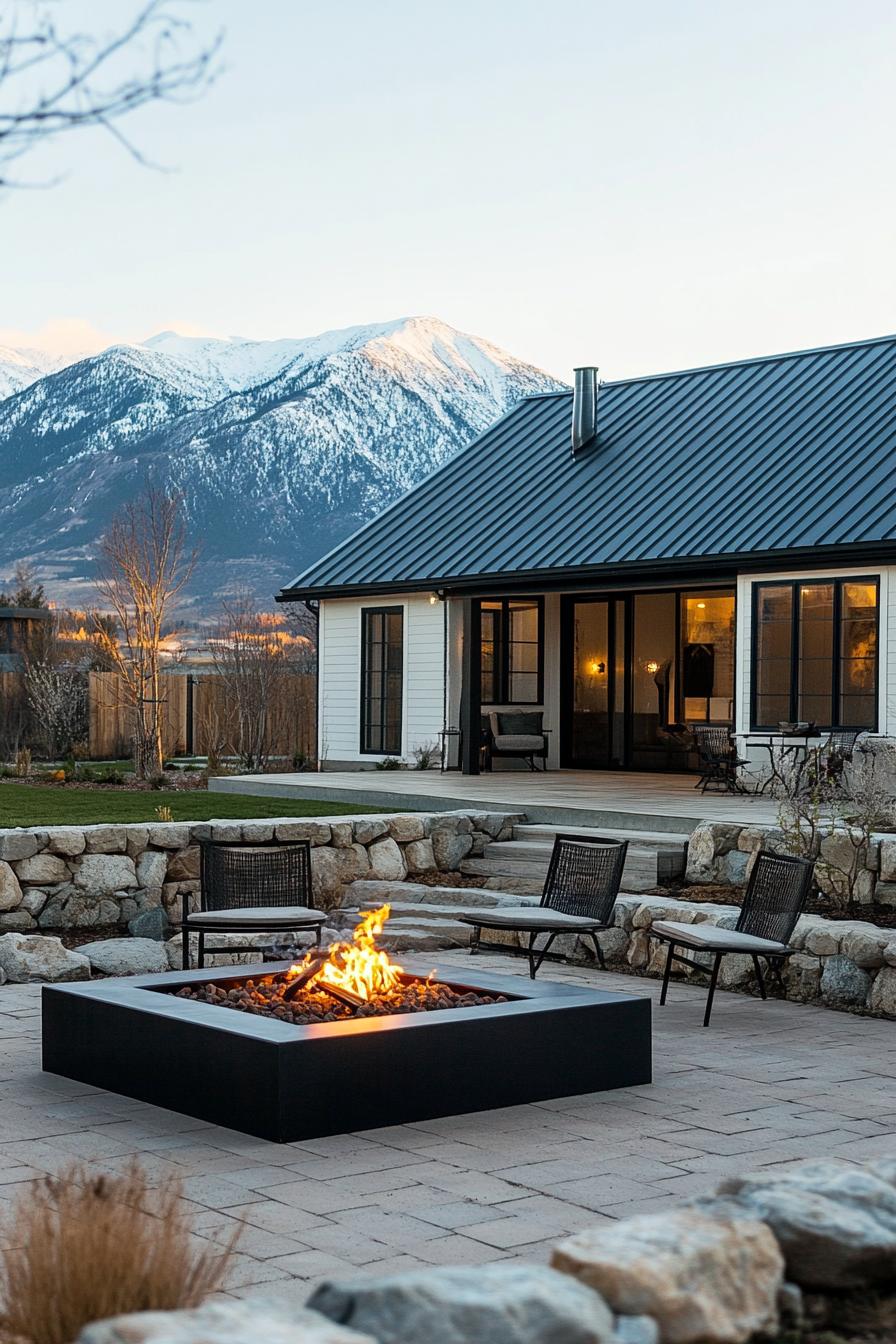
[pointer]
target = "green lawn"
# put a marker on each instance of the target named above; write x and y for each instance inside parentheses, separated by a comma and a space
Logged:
(66, 804)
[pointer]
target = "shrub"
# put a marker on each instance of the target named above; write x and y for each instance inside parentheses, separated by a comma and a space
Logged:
(93, 1246)
(390, 763)
(426, 755)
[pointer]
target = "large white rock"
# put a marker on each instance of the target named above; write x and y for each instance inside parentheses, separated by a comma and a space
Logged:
(221, 1323)
(42, 870)
(700, 1278)
(19, 844)
(386, 861)
(10, 891)
(488, 1304)
(66, 840)
(29, 957)
(152, 868)
(126, 956)
(835, 1222)
(104, 874)
(883, 992)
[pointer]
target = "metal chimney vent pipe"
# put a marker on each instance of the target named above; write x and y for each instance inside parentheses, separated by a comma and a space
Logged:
(584, 408)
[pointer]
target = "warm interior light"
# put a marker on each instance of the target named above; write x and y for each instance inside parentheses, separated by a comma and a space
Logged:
(651, 667)
(701, 606)
(596, 668)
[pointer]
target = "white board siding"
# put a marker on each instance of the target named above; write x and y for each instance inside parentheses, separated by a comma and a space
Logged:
(887, 634)
(339, 723)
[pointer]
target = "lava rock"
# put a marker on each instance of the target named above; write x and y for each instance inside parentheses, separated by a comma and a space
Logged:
(488, 1304)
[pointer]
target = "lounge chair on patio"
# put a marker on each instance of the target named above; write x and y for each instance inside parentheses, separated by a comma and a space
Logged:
(580, 891)
(519, 734)
(775, 896)
(251, 888)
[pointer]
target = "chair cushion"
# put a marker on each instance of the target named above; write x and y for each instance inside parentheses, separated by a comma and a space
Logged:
(710, 938)
(519, 742)
(528, 917)
(526, 722)
(279, 916)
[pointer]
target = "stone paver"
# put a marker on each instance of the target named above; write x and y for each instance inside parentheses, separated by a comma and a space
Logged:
(767, 1083)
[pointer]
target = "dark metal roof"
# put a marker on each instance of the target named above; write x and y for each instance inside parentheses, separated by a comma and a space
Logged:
(791, 453)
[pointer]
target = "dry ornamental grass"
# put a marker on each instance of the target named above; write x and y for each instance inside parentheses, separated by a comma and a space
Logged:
(93, 1246)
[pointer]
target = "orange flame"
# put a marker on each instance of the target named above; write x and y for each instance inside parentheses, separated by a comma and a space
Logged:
(359, 966)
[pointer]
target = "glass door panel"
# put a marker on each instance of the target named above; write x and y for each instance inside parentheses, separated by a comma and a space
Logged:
(592, 674)
(654, 683)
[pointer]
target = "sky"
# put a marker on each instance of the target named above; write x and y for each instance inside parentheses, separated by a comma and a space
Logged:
(642, 187)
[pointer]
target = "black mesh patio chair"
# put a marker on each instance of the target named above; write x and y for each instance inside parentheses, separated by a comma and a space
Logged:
(251, 887)
(719, 762)
(579, 894)
(776, 893)
(836, 752)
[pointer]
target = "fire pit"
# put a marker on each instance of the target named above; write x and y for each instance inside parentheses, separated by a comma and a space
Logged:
(342, 1041)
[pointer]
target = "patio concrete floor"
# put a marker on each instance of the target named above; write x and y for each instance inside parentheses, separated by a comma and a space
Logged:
(563, 797)
(767, 1083)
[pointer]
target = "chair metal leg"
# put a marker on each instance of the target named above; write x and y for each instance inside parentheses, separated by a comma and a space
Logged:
(317, 936)
(474, 939)
(200, 959)
(666, 973)
(185, 950)
(537, 957)
(712, 988)
(759, 977)
(599, 952)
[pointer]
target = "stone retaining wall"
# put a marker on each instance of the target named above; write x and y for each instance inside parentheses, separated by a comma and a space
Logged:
(722, 854)
(134, 875)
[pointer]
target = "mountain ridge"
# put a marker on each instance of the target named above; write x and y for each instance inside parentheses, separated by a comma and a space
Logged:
(280, 448)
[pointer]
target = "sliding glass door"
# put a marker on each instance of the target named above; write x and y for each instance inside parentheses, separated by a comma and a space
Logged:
(594, 695)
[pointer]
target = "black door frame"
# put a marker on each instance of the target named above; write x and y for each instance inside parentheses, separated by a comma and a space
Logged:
(568, 603)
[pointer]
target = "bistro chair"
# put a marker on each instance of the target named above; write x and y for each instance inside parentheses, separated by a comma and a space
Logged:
(247, 887)
(579, 894)
(776, 893)
(836, 753)
(719, 762)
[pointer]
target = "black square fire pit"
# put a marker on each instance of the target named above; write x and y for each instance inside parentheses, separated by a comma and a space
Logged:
(286, 1082)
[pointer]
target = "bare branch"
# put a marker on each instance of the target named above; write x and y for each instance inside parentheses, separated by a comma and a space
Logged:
(52, 82)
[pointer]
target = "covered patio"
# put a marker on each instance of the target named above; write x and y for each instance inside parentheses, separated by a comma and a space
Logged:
(619, 799)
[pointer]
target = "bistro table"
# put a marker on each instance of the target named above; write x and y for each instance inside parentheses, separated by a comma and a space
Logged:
(779, 746)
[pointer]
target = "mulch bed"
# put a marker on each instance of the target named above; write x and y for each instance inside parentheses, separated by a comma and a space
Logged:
(448, 879)
(884, 916)
(178, 780)
(75, 938)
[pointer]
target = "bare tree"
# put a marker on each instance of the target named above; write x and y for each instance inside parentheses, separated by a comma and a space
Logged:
(145, 564)
(255, 656)
(54, 80)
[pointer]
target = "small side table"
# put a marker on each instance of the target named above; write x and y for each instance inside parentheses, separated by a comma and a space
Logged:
(445, 737)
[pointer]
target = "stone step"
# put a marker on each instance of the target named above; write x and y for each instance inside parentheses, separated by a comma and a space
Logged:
(640, 872)
(661, 859)
(373, 892)
(520, 886)
(424, 935)
(644, 839)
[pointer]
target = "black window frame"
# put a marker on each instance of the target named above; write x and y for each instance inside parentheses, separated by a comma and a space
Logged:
(502, 661)
(794, 585)
(382, 750)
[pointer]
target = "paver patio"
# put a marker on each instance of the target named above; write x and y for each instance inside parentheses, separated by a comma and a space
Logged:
(768, 1083)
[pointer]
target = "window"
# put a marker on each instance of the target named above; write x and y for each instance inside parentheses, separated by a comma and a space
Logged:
(382, 679)
(815, 653)
(512, 651)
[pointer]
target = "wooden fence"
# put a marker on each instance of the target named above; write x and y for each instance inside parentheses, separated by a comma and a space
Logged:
(199, 716)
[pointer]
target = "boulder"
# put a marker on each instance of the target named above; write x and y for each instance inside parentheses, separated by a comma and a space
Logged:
(70, 908)
(125, 956)
(488, 1304)
(66, 840)
(701, 862)
(636, 1330)
(317, 832)
(169, 835)
(152, 868)
(883, 992)
(340, 834)
(326, 877)
(405, 828)
(231, 1322)
(258, 832)
(885, 893)
(353, 862)
(419, 856)
(20, 844)
(888, 859)
(834, 1221)
(865, 946)
(10, 891)
(701, 1279)
(386, 861)
(106, 839)
(613, 944)
(368, 829)
(42, 869)
(183, 866)
(153, 923)
(843, 983)
(802, 976)
(17, 919)
(452, 841)
(137, 839)
(29, 957)
(103, 874)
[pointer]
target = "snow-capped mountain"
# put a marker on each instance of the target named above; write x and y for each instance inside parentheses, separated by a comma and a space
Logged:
(280, 448)
(20, 367)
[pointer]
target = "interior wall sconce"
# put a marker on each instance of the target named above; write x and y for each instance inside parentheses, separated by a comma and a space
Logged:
(652, 668)
(596, 668)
